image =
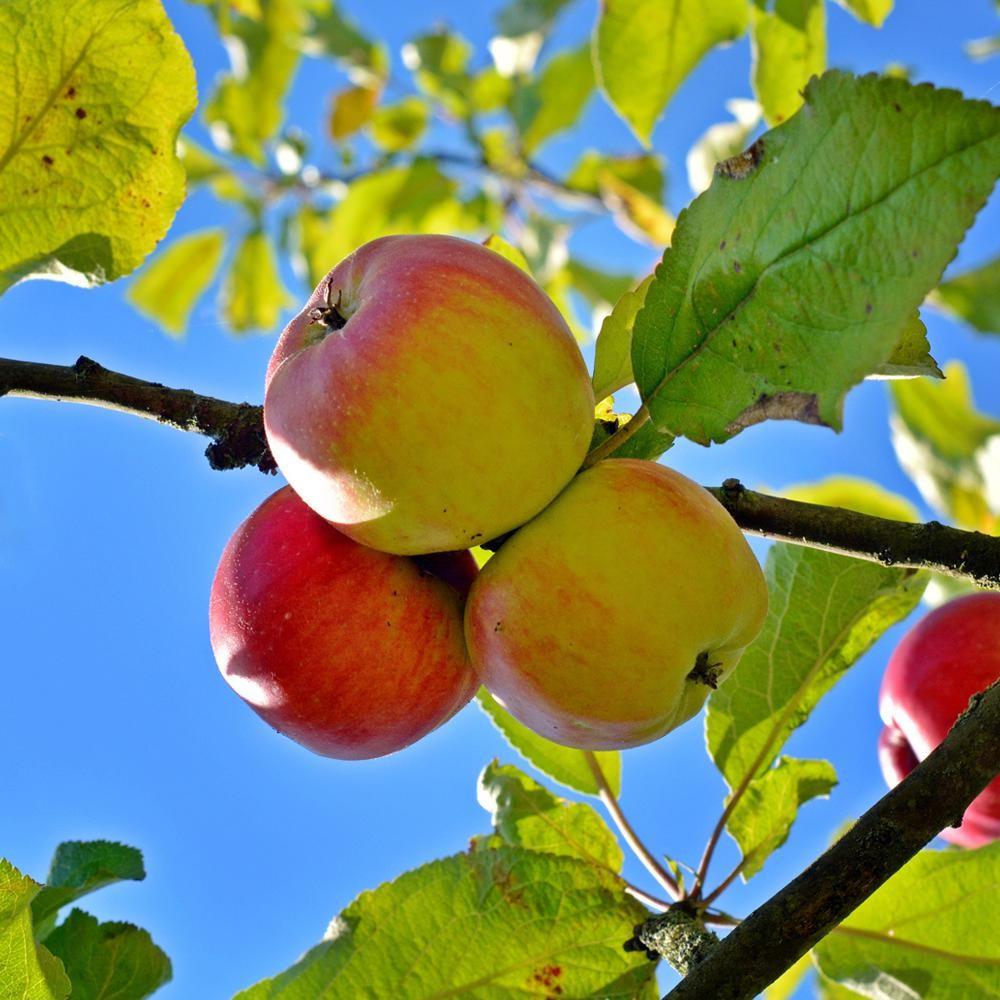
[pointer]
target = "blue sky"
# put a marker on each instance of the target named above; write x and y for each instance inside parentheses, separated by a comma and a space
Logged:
(116, 723)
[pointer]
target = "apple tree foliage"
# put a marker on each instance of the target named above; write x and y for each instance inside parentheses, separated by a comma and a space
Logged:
(797, 272)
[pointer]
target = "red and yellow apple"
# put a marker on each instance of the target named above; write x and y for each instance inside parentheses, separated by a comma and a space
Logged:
(429, 396)
(605, 622)
(950, 655)
(351, 652)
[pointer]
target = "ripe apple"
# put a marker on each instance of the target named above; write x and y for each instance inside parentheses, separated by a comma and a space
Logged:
(604, 622)
(351, 652)
(428, 397)
(950, 655)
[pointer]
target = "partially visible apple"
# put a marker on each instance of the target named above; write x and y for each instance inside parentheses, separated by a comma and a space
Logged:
(351, 652)
(428, 397)
(950, 655)
(606, 621)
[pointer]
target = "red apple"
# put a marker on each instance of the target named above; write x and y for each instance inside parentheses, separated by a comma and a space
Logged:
(429, 396)
(951, 654)
(351, 652)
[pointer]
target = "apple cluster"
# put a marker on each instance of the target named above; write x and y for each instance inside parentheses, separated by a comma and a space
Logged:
(430, 398)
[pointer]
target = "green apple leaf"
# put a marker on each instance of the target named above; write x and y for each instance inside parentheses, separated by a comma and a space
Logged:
(783, 289)
(854, 493)
(601, 289)
(826, 610)
(525, 814)
(785, 986)
(199, 164)
(416, 198)
(80, 867)
(721, 142)
(763, 817)
(508, 251)
(973, 296)
(554, 100)
(108, 961)
(395, 127)
(643, 171)
(932, 931)
(248, 105)
(488, 925)
(28, 971)
(169, 286)
(524, 17)
(873, 12)
(96, 92)
(789, 47)
(643, 50)
(563, 764)
(329, 33)
(911, 357)
(439, 62)
(253, 295)
(613, 353)
(939, 436)
(827, 989)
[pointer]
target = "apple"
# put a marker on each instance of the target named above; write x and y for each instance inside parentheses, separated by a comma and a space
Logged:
(351, 652)
(605, 622)
(428, 397)
(950, 655)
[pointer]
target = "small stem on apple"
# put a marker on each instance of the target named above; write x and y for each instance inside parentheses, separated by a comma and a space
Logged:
(639, 849)
(624, 433)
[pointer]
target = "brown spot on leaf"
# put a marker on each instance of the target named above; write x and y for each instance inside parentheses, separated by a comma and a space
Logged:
(737, 267)
(801, 406)
(80, 113)
(71, 92)
(742, 165)
(868, 307)
(896, 106)
(47, 160)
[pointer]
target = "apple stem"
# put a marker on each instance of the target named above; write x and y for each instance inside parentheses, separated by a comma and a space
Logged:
(639, 849)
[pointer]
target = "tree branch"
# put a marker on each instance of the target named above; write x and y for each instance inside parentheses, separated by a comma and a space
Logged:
(933, 795)
(236, 429)
(238, 440)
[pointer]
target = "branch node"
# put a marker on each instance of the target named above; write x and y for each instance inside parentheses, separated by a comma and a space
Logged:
(679, 936)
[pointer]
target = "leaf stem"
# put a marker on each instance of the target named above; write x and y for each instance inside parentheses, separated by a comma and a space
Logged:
(624, 433)
(639, 849)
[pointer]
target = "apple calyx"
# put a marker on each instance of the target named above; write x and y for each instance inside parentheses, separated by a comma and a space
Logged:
(327, 318)
(704, 672)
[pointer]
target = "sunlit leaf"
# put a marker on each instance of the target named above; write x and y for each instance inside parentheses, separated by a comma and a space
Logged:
(439, 62)
(785, 986)
(525, 814)
(854, 493)
(253, 294)
(567, 766)
(642, 171)
(911, 357)
(330, 33)
(487, 925)
(169, 286)
(932, 931)
(643, 50)
(758, 313)
(555, 100)
(199, 164)
(873, 12)
(825, 612)
(789, 47)
(399, 126)
(89, 177)
(351, 110)
(508, 251)
(613, 354)
(973, 296)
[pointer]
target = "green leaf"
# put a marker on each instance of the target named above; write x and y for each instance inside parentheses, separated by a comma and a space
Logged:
(525, 814)
(80, 867)
(785, 986)
(763, 817)
(253, 295)
(523, 17)
(973, 296)
(108, 961)
(96, 92)
(439, 62)
(569, 767)
(199, 164)
(643, 171)
(827, 989)
(330, 33)
(168, 287)
(721, 142)
(613, 353)
(939, 436)
(399, 126)
(488, 925)
(554, 100)
(873, 12)
(643, 50)
(508, 251)
(781, 289)
(351, 110)
(825, 612)
(932, 931)
(247, 108)
(28, 971)
(854, 493)
(489, 91)
(911, 357)
(416, 198)
(789, 47)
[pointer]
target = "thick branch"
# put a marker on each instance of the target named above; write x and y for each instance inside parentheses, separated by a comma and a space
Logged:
(968, 554)
(238, 440)
(236, 429)
(934, 795)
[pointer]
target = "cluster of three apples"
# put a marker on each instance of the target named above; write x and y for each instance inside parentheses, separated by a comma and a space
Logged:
(429, 397)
